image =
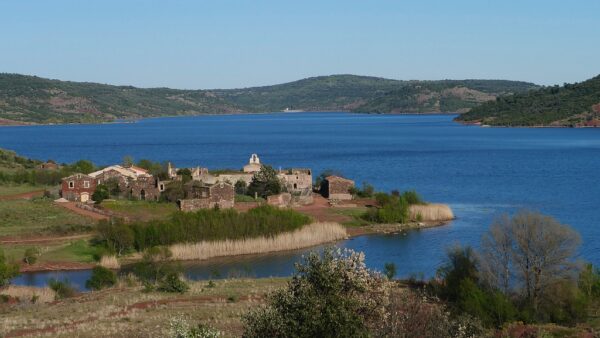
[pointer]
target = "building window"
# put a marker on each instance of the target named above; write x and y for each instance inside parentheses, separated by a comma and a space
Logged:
(204, 194)
(86, 184)
(71, 184)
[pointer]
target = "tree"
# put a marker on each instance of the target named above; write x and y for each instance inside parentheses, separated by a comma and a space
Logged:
(542, 252)
(127, 161)
(333, 295)
(461, 265)
(265, 182)
(389, 270)
(116, 235)
(112, 184)
(496, 252)
(101, 278)
(8, 270)
(100, 194)
(529, 252)
(83, 166)
(241, 187)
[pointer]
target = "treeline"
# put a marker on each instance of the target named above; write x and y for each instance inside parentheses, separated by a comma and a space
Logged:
(567, 105)
(203, 225)
(34, 176)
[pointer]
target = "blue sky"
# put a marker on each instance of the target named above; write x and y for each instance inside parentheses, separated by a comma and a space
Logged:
(226, 44)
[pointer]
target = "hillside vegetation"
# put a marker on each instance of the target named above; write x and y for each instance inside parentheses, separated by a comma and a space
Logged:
(572, 105)
(31, 99)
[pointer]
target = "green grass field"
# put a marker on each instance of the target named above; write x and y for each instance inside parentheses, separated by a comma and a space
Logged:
(7, 190)
(79, 251)
(140, 210)
(39, 216)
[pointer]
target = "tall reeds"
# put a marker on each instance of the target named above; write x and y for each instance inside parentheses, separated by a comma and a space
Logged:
(309, 235)
(430, 212)
(29, 293)
(110, 262)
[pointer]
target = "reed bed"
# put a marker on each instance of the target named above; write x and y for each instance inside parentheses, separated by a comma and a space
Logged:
(309, 235)
(110, 262)
(431, 212)
(29, 293)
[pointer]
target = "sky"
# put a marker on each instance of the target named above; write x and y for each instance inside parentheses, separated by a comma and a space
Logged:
(233, 44)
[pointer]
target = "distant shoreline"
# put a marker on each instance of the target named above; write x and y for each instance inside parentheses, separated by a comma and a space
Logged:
(32, 124)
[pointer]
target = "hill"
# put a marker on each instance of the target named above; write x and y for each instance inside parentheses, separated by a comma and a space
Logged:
(31, 99)
(573, 105)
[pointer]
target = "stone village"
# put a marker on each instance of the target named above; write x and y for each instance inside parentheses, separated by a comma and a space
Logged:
(204, 190)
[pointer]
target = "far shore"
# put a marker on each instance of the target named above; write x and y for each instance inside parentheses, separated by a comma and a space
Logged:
(11, 123)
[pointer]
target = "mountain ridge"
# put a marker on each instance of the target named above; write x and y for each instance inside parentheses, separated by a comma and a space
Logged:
(26, 99)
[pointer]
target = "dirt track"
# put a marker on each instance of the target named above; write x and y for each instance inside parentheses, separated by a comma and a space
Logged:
(25, 195)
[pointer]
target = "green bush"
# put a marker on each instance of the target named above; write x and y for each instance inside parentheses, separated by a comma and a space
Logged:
(172, 283)
(63, 288)
(7, 270)
(101, 278)
(31, 254)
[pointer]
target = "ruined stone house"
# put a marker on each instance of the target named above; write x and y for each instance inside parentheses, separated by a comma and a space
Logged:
(203, 196)
(337, 188)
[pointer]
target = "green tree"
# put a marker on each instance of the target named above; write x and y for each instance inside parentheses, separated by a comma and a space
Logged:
(117, 235)
(100, 194)
(265, 183)
(389, 270)
(101, 278)
(7, 270)
(241, 188)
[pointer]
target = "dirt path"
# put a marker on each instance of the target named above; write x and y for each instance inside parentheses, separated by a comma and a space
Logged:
(40, 240)
(72, 206)
(25, 195)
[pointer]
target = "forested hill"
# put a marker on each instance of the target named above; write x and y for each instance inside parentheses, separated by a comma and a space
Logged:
(31, 99)
(573, 105)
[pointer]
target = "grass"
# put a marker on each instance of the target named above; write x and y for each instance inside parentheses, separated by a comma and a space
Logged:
(309, 235)
(246, 198)
(430, 212)
(76, 251)
(27, 217)
(14, 189)
(128, 312)
(140, 210)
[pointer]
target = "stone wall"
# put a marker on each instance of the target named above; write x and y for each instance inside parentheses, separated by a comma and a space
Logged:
(337, 188)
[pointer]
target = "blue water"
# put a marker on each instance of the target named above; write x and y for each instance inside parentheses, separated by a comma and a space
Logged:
(480, 172)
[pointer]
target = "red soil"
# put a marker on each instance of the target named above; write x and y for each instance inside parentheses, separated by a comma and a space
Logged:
(24, 196)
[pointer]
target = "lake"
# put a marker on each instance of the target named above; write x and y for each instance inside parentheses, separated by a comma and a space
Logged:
(480, 172)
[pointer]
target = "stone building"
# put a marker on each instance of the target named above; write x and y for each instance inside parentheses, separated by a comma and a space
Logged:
(48, 165)
(144, 188)
(202, 196)
(337, 188)
(253, 164)
(78, 187)
(296, 180)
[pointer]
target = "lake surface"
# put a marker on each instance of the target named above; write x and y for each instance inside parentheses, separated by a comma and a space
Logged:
(480, 172)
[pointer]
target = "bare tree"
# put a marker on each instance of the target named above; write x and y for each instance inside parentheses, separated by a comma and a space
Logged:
(496, 254)
(533, 250)
(542, 252)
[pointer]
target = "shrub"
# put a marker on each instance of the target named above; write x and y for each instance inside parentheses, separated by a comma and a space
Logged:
(180, 328)
(7, 270)
(411, 197)
(100, 194)
(391, 209)
(172, 283)
(333, 295)
(31, 254)
(264, 183)
(101, 278)
(63, 288)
